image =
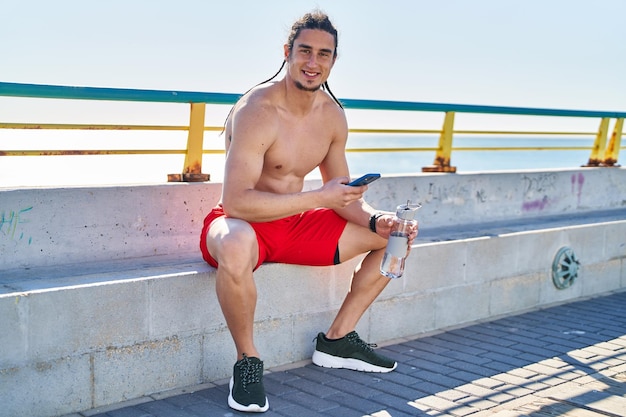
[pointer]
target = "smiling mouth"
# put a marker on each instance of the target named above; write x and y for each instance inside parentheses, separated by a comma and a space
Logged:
(310, 74)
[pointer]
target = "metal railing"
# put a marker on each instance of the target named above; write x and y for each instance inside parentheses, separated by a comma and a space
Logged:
(604, 153)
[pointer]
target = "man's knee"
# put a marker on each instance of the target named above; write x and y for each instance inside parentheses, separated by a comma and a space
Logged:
(237, 249)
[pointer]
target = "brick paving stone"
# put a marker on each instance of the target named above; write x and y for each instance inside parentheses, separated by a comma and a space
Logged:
(514, 390)
(355, 389)
(426, 365)
(514, 361)
(444, 380)
(429, 357)
(525, 372)
(273, 387)
(293, 410)
(445, 406)
(401, 378)
(498, 367)
(310, 401)
(531, 357)
(481, 369)
(218, 394)
(426, 346)
(210, 409)
(185, 400)
(491, 348)
(466, 376)
(311, 387)
(461, 336)
(276, 403)
(476, 390)
(540, 368)
(427, 388)
(492, 333)
(496, 396)
(357, 404)
(395, 406)
(451, 394)
(164, 409)
(469, 357)
(487, 382)
(477, 402)
(398, 390)
(125, 412)
(312, 373)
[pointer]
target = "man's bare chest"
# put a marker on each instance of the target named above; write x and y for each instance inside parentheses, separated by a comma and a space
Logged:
(297, 154)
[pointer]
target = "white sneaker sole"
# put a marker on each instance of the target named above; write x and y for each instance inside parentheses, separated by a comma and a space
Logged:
(329, 361)
(252, 408)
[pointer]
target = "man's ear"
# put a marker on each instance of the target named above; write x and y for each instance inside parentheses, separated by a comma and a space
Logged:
(287, 51)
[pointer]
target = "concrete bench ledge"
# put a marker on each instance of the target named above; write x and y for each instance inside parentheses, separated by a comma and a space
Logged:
(22, 280)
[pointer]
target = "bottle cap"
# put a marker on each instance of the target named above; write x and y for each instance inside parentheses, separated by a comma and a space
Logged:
(407, 211)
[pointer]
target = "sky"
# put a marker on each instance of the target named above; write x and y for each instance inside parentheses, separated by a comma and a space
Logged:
(536, 53)
(566, 54)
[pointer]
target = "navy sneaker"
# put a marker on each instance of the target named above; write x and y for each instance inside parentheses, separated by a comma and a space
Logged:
(246, 386)
(350, 352)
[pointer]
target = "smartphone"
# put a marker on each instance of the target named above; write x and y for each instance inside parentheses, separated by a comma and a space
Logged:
(364, 180)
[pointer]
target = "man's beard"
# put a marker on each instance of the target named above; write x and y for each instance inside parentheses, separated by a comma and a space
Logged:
(302, 87)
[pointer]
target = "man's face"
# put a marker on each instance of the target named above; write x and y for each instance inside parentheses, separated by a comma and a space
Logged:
(311, 58)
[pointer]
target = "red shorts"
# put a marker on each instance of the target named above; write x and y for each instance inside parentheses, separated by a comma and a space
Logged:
(308, 238)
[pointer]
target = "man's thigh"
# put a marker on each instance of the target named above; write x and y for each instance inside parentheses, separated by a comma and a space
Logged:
(356, 240)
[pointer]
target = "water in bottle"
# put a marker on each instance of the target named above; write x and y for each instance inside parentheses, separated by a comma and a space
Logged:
(392, 265)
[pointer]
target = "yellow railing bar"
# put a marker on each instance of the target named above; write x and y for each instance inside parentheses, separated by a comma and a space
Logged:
(444, 150)
(193, 157)
(611, 152)
(599, 145)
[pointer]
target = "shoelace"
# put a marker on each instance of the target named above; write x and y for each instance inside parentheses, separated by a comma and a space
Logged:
(356, 340)
(249, 372)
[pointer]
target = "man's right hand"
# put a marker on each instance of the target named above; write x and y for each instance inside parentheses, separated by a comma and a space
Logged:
(337, 194)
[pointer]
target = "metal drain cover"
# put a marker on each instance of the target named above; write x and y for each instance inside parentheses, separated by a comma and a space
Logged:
(565, 268)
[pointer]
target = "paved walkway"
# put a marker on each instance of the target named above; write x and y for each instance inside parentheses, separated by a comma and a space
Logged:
(568, 360)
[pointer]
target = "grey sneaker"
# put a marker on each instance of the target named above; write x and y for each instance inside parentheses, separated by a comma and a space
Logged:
(350, 352)
(246, 386)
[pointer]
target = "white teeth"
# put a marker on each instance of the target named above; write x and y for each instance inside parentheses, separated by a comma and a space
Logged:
(310, 74)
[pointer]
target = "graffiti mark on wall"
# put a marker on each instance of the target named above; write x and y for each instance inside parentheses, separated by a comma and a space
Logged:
(537, 190)
(577, 185)
(11, 225)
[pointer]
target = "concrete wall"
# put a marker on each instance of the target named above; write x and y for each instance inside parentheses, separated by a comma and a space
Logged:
(49, 227)
(104, 297)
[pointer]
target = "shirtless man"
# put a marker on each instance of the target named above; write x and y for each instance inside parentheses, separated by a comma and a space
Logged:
(276, 134)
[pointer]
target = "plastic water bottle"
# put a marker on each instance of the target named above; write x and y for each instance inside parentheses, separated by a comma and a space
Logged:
(392, 265)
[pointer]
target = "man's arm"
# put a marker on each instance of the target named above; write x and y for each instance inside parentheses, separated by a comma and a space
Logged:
(336, 165)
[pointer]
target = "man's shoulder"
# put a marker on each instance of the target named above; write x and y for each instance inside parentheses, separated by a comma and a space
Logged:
(262, 96)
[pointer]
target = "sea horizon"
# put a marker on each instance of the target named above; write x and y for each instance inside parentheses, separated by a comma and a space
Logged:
(87, 170)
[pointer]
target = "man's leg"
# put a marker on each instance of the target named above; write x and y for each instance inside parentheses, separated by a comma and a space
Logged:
(233, 244)
(367, 282)
(341, 346)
